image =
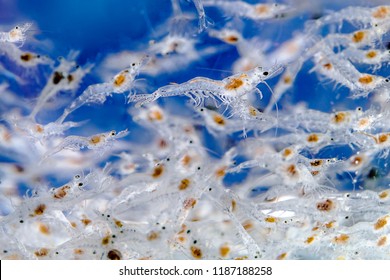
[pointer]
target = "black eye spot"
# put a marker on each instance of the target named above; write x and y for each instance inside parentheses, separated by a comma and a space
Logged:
(80, 184)
(387, 80)
(265, 73)
(133, 64)
(16, 27)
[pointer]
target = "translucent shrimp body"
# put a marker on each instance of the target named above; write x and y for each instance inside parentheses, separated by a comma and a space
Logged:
(23, 58)
(16, 34)
(254, 12)
(98, 142)
(98, 93)
(228, 90)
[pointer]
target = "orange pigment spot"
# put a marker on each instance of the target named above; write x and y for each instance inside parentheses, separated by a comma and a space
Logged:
(312, 138)
(317, 162)
(224, 251)
(189, 203)
(287, 79)
(95, 139)
(61, 192)
(40, 209)
(86, 221)
(382, 241)
(358, 36)
(220, 172)
(270, 219)
(119, 80)
(339, 117)
(153, 235)
(44, 229)
(371, 54)
(326, 205)
(282, 256)
(26, 57)
(247, 225)
(382, 138)
(158, 171)
(380, 223)
(328, 66)
(381, 12)
(184, 184)
(309, 240)
(196, 252)
(383, 194)
(218, 119)
(367, 79)
(341, 239)
(41, 252)
(155, 115)
(261, 9)
(235, 83)
(231, 39)
(106, 240)
(39, 128)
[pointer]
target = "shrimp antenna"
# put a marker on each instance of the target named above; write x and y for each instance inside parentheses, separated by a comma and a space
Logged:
(276, 107)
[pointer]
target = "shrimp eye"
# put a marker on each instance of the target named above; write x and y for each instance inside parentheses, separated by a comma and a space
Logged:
(133, 64)
(387, 80)
(113, 133)
(77, 176)
(265, 73)
(16, 27)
